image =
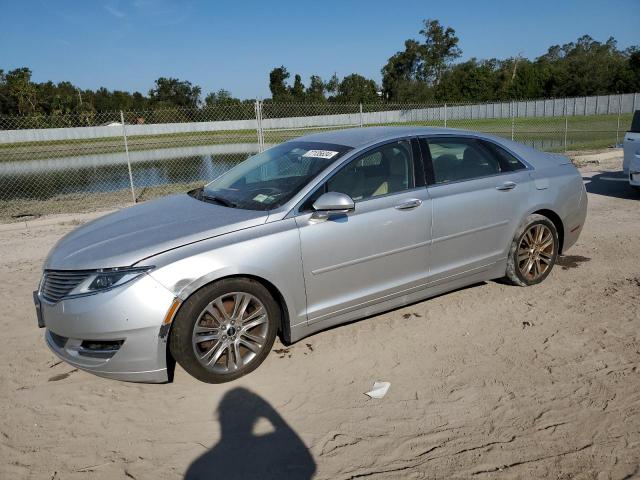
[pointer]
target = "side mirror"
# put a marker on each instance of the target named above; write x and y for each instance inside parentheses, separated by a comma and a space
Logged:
(333, 203)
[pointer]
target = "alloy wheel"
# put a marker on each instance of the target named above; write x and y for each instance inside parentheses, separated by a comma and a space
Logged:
(230, 332)
(536, 252)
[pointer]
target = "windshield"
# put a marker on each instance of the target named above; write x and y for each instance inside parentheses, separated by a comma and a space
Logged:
(271, 178)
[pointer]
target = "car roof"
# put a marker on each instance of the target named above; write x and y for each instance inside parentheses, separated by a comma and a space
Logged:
(362, 137)
(358, 137)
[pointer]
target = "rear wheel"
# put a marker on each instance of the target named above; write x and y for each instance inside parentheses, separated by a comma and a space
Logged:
(225, 330)
(533, 252)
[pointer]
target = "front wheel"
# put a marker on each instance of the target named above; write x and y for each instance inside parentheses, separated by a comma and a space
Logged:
(225, 330)
(533, 252)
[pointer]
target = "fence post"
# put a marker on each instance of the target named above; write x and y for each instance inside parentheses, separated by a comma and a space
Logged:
(361, 124)
(126, 150)
(618, 126)
(513, 121)
(259, 131)
(445, 115)
(585, 107)
(633, 109)
(566, 124)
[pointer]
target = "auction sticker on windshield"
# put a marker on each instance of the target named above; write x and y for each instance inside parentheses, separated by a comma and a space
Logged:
(320, 153)
(261, 197)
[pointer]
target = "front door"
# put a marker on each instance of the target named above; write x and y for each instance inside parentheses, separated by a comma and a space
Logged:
(378, 250)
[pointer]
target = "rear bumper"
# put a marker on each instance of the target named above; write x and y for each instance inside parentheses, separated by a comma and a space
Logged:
(574, 222)
(114, 334)
(634, 177)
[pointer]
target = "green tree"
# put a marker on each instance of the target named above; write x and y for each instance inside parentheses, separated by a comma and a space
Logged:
(634, 69)
(315, 90)
(409, 74)
(297, 91)
(139, 102)
(4, 93)
(221, 97)
(473, 80)
(401, 71)
(21, 91)
(586, 67)
(355, 88)
(277, 84)
(518, 78)
(439, 49)
(171, 92)
(332, 85)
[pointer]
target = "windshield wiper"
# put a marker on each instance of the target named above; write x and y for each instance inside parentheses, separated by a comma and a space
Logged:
(198, 193)
(220, 200)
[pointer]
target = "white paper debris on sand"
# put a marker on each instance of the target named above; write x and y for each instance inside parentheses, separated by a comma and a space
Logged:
(379, 389)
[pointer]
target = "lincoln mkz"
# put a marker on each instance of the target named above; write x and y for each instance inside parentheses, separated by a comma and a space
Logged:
(311, 233)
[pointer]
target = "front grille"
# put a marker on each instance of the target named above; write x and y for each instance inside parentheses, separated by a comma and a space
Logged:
(56, 284)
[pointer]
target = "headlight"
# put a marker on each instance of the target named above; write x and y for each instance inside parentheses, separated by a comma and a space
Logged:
(107, 278)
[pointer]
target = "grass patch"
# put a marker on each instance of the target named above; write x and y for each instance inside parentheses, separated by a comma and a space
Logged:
(530, 129)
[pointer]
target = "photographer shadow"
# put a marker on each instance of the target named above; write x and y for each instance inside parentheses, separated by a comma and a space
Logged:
(241, 453)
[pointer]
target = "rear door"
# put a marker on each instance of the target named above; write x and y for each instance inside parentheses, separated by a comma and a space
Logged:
(478, 192)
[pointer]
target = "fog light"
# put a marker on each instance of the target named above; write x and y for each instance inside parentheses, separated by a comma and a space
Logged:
(102, 345)
(100, 348)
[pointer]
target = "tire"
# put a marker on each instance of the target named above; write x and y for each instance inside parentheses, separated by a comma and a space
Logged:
(219, 351)
(529, 271)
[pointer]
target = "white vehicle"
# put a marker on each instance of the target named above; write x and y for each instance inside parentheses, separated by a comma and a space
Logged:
(631, 162)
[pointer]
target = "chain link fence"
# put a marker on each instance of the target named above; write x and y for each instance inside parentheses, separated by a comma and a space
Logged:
(85, 162)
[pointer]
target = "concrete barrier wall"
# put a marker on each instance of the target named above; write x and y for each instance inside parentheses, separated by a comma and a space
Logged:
(596, 105)
(87, 133)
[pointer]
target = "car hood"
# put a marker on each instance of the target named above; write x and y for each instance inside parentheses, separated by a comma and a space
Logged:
(129, 235)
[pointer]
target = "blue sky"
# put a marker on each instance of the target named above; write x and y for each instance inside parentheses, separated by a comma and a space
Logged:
(126, 45)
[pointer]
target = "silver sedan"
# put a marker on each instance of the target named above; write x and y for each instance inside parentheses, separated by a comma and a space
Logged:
(311, 233)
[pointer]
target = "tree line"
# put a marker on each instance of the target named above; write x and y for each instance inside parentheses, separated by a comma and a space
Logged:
(425, 70)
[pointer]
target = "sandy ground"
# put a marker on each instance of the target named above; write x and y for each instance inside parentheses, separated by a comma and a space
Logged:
(491, 381)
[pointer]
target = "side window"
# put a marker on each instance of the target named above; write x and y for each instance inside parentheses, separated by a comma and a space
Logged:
(384, 170)
(508, 162)
(456, 159)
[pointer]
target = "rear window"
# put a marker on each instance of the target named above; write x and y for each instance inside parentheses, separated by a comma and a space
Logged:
(508, 162)
(635, 123)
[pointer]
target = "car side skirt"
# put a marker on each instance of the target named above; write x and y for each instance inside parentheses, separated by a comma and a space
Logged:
(401, 299)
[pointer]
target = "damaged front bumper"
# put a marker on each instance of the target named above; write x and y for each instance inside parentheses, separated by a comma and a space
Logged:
(115, 334)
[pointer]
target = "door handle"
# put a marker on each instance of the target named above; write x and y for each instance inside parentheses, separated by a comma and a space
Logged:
(409, 204)
(506, 186)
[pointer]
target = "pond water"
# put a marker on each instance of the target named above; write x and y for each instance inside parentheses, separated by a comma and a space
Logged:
(46, 178)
